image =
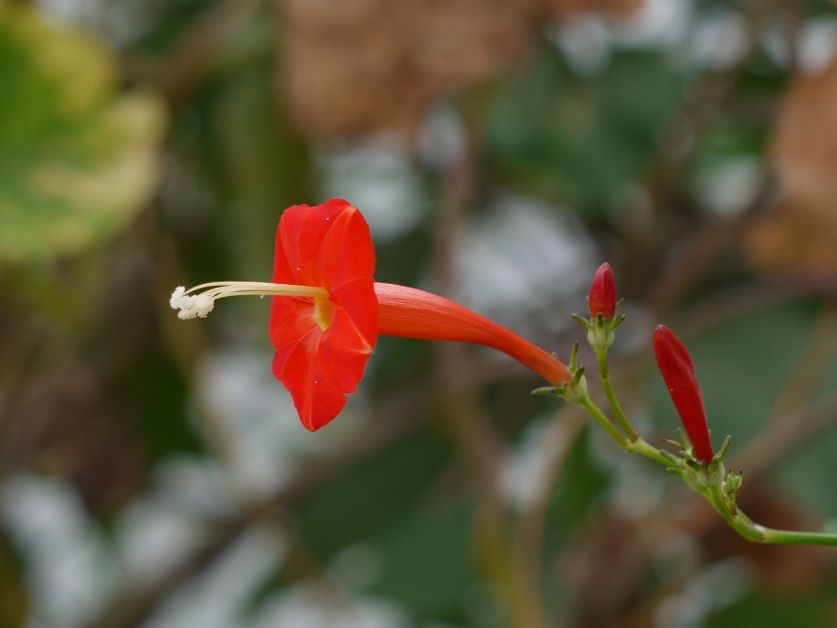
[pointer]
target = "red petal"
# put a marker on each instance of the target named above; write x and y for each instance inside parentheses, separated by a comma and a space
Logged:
(299, 241)
(343, 353)
(315, 396)
(291, 319)
(327, 245)
(347, 251)
(360, 303)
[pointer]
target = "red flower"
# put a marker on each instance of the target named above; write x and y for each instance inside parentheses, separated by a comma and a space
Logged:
(603, 293)
(323, 343)
(327, 311)
(678, 371)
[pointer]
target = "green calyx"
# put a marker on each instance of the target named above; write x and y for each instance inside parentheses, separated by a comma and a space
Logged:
(573, 391)
(600, 330)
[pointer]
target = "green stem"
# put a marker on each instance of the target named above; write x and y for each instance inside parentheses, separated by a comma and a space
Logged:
(793, 537)
(601, 418)
(604, 373)
(638, 445)
(757, 533)
(644, 448)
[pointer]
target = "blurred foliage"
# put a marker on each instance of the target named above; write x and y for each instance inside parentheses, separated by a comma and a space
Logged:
(77, 160)
(816, 611)
(581, 141)
(13, 596)
(157, 147)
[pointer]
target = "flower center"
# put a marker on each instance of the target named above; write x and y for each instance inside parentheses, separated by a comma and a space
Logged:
(323, 312)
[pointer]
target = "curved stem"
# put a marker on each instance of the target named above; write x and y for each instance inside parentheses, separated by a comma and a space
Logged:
(601, 418)
(636, 446)
(644, 448)
(622, 419)
(757, 533)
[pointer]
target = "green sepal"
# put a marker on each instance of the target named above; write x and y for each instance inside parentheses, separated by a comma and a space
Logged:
(578, 318)
(722, 452)
(692, 462)
(575, 390)
(573, 365)
(669, 456)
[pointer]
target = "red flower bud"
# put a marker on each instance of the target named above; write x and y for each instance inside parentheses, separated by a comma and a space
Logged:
(678, 371)
(603, 293)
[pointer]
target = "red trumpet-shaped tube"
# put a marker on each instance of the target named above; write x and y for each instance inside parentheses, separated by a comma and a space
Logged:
(413, 313)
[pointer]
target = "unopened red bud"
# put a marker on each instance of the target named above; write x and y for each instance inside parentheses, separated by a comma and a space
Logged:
(678, 371)
(603, 293)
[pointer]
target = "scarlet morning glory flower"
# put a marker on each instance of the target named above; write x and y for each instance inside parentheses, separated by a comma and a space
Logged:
(327, 311)
(678, 371)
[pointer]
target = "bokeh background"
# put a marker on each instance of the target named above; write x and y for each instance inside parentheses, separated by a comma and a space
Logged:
(153, 473)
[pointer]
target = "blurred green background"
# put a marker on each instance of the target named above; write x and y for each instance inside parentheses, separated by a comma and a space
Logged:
(154, 474)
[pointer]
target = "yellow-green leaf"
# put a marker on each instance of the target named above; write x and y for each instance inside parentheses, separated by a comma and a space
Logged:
(77, 157)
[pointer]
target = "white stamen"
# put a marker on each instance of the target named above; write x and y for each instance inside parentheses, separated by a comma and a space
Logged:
(200, 304)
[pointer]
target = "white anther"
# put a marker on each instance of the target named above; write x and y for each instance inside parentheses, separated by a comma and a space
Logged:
(203, 305)
(176, 297)
(190, 306)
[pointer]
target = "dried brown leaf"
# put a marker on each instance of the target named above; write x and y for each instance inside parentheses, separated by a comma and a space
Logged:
(567, 8)
(361, 65)
(800, 234)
